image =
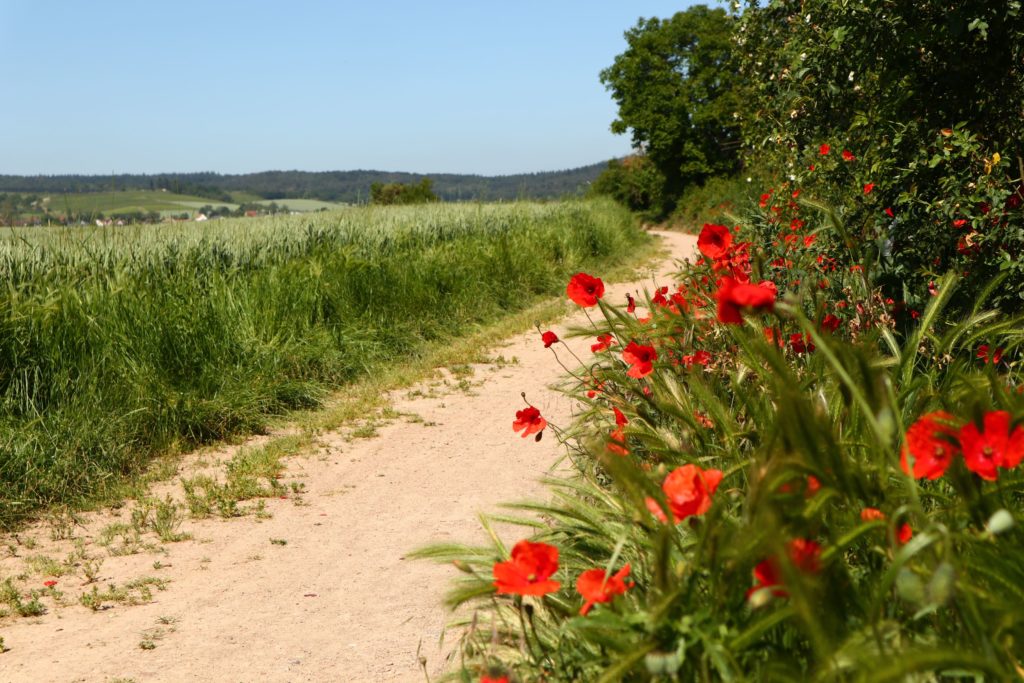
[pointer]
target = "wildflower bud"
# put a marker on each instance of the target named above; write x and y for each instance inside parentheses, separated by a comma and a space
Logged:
(1000, 522)
(940, 588)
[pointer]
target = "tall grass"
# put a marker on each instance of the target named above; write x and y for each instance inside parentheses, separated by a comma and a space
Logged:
(117, 344)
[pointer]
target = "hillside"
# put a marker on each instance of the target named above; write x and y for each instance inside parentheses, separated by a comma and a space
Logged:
(333, 186)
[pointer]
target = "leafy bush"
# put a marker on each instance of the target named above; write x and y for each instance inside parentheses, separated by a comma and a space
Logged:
(634, 182)
(926, 96)
(774, 482)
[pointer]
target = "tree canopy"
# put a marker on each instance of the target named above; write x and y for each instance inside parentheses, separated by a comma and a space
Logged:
(677, 88)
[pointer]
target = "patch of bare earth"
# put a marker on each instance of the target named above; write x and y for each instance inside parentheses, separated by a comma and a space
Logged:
(314, 586)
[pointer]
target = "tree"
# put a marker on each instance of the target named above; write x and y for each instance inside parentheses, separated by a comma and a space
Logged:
(677, 88)
(634, 182)
(400, 193)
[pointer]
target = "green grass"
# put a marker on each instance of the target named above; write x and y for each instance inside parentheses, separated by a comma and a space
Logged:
(120, 344)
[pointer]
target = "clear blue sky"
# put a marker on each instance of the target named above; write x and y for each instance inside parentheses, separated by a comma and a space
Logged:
(460, 86)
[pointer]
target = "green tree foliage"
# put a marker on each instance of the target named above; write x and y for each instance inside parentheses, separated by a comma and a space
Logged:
(400, 193)
(677, 89)
(924, 93)
(634, 182)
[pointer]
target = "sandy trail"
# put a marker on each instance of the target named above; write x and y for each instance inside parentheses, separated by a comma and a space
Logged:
(338, 601)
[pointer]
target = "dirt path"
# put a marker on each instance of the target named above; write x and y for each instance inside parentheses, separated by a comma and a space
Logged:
(333, 599)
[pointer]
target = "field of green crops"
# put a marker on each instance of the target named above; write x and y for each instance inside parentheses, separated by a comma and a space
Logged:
(117, 344)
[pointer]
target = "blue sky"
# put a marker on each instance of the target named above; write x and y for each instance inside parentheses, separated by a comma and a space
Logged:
(112, 86)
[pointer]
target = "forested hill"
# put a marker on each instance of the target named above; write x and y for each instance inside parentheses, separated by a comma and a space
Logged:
(337, 186)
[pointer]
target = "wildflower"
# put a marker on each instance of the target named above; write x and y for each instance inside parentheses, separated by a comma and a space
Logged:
(585, 290)
(904, 534)
(640, 358)
(995, 357)
(868, 188)
(530, 421)
(631, 304)
(848, 155)
(549, 338)
(617, 442)
(813, 486)
(763, 202)
(889, 212)
(992, 446)
(50, 583)
(830, 323)
(801, 344)
(714, 241)
(959, 223)
(733, 297)
(529, 570)
(824, 150)
(499, 679)
(703, 420)
(688, 490)
(596, 586)
(872, 515)
(604, 341)
(931, 441)
(700, 357)
(805, 556)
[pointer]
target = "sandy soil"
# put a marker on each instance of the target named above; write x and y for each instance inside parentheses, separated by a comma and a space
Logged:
(338, 601)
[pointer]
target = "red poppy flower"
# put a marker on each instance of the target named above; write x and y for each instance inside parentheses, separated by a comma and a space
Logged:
(620, 419)
(813, 486)
(529, 420)
(889, 212)
(50, 584)
(585, 290)
(733, 297)
(714, 240)
(631, 304)
(932, 443)
(549, 338)
(703, 420)
(764, 199)
(596, 586)
(959, 223)
(617, 442)
(604, 341)
(700, 357)
(904, 534)
(992, 446)
(995, 357)
(640, 359)
(529, 570)
(801, 344)
(868, 188)
(499, 679)
(848, 155)
(872, 515)
(688, 490)
(805, 556)
(824, 150)
(830, 323)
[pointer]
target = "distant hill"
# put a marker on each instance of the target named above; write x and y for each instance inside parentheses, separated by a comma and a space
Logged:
(332, 186)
